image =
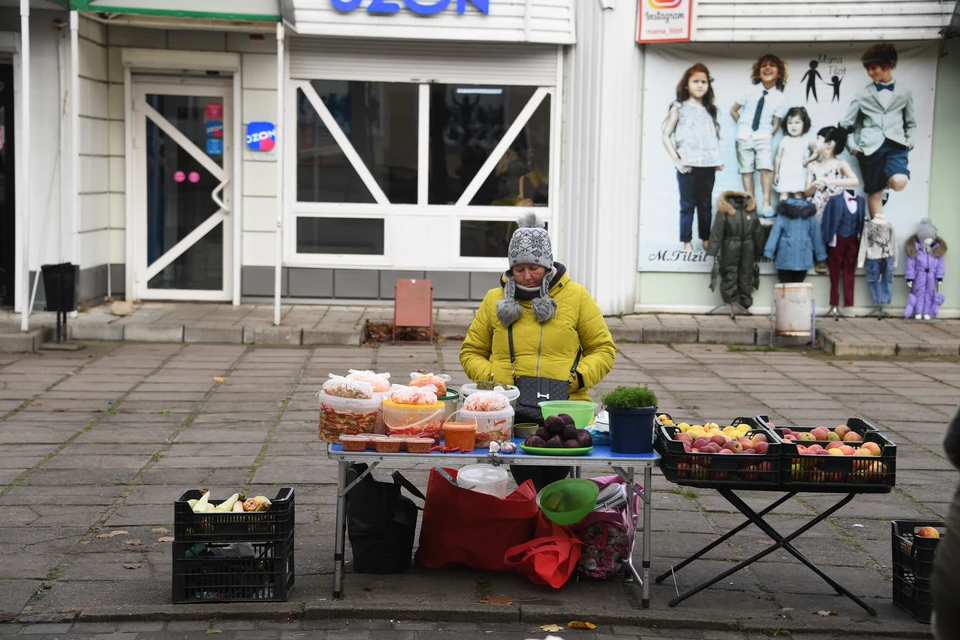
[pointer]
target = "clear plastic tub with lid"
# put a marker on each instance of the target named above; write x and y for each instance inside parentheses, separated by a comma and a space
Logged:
(413, 420)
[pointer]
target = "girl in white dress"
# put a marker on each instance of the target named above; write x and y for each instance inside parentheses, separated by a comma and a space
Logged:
(794, 153)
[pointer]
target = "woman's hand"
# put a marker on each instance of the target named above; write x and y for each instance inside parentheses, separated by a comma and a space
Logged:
(682, 168)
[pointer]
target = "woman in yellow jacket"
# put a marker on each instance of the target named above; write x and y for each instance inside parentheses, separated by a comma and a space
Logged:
(553, 319)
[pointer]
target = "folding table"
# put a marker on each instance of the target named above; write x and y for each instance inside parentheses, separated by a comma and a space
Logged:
(623, 464)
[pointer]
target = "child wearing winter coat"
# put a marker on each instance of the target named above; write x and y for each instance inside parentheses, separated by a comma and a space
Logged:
(795, 240)
(924, 271)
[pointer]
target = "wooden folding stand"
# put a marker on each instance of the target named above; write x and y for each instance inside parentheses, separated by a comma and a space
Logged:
(413, 306)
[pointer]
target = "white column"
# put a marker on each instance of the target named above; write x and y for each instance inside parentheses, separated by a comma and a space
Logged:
(280, 152)
(24, 144)
(75, 140)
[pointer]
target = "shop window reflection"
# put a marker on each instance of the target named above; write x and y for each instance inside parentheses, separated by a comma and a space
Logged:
(486, 238)
(466, 124)
(380, 120)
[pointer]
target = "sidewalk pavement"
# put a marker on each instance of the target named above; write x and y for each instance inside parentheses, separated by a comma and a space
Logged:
(95, 446)
(345, 326)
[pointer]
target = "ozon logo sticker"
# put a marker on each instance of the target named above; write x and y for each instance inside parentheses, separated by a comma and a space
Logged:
(261, 136)
(664, 4)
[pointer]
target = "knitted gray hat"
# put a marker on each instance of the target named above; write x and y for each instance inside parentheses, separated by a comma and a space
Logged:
(926, 230)
(530, 243)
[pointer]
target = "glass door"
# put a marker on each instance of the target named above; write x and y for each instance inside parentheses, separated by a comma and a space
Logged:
(184, 169)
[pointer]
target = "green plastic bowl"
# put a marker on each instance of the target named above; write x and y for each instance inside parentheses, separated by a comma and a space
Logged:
(579, 410)
(568, 501)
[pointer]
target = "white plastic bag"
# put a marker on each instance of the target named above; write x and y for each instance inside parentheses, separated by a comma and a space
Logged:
(487, 401)
(439, 381)
(379, 381)
(426, 395)
(341, 387)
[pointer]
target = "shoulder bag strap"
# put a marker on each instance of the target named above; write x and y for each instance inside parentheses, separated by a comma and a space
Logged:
(406, 484)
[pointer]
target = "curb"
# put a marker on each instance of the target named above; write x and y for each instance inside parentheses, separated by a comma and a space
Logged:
(471, 613)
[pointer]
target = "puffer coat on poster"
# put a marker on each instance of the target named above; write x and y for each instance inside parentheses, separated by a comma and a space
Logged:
(578, 322)
(738, 239)
(925, 269)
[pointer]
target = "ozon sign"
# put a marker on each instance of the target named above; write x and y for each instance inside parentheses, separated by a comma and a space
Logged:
(423, 7)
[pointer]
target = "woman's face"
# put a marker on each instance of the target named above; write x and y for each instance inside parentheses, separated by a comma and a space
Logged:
(698, 85)
(529, 275)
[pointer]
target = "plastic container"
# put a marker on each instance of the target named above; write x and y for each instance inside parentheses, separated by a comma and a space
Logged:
(418, 445)
(484, 478)
(450, 402)
(347, 416)
(388, 445)
(794, 308)
(491, 425)
(580, 410)
(524, 429)
(568, 501)
(413, 420)
(354, 443)
(510, 391)
(913, 566)
(460, 431)
(631, 430)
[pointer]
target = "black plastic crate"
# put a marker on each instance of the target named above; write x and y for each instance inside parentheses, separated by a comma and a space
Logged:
(235, 572)
(273, 525)
(715, 470)
(913, 596)
(838, 474)
(911, 552)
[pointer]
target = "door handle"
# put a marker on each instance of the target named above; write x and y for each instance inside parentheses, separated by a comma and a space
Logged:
(216, 200)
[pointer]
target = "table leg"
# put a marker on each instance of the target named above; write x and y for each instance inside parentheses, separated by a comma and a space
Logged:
(647, 533)
(746, 523)
(341, 524)
(785, 543)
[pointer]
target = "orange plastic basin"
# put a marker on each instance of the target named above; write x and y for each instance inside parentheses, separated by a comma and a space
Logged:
(462, 435)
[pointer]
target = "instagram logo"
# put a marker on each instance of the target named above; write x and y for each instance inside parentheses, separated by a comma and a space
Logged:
(664, 4)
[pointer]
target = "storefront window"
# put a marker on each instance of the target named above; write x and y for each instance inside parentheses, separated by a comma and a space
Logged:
(380, 121)
(466, 124)
(355, 236)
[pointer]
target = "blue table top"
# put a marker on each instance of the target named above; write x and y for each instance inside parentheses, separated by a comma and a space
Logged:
(599, 453)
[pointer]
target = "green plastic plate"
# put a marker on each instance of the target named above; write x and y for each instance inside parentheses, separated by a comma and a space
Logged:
(543, 451)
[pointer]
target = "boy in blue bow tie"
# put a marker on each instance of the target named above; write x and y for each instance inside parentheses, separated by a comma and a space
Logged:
(884, 125)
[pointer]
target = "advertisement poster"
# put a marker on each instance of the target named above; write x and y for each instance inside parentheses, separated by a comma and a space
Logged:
(824, 79)
(664, 21)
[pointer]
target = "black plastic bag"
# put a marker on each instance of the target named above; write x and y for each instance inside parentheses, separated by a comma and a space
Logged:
(381, 523)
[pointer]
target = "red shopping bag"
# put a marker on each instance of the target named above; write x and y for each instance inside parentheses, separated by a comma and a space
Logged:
(463, 527)
(550, 558)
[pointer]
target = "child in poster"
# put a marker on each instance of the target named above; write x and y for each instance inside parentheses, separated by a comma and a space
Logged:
(884, 125)
(758, 112)
(794, 153)
(691, 135)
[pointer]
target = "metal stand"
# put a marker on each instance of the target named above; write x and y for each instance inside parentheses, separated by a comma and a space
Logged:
(779, 542)
(878, 313)
(731, 307)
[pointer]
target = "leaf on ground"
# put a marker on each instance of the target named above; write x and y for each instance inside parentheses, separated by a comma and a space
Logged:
(488, 599)
(132, 565)
(112, 533)
(766, 541)
(551, 627)
(821, 612)
(160, 530)
(577, 624)
(135, 542)
(165, 539)
(219, 379)
(214, 631)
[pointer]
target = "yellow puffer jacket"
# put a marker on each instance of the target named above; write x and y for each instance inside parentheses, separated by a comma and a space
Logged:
(486, 352)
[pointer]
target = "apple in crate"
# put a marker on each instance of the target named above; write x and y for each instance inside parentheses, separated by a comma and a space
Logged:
(928, 532)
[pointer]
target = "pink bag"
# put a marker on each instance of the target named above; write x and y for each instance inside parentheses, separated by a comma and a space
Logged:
(606, 536)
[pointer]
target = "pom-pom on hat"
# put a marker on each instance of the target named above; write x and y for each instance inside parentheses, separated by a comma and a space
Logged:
(530, 243)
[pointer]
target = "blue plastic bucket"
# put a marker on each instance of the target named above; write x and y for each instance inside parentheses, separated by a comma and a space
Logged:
(631, 430)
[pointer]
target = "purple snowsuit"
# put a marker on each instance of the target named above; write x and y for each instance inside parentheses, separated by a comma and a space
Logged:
(924, 269)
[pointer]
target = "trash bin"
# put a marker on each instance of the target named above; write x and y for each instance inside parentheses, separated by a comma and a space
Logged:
(60, 283)
(794, 309)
